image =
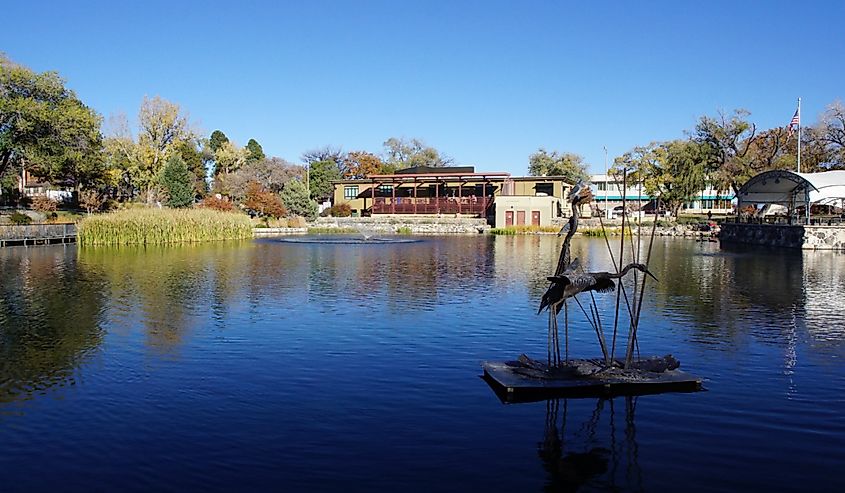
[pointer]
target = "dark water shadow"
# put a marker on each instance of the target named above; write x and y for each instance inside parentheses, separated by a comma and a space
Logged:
(591, 447)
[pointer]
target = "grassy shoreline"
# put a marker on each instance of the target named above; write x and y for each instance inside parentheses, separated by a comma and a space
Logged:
(162, 226)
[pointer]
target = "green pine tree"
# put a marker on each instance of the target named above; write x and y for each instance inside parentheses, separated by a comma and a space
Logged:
(297, 201)
(177, 182)
(255, 152)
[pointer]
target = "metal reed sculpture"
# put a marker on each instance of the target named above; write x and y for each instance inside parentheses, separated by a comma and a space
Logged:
(569, 280)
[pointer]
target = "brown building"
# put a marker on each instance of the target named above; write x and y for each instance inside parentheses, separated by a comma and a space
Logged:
(452, 190)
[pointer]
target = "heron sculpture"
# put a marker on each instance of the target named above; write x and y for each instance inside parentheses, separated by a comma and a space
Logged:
(580, 194)
(569, 284)
(569, 280)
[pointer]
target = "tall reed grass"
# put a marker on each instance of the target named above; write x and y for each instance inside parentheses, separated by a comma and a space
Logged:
(160, 226)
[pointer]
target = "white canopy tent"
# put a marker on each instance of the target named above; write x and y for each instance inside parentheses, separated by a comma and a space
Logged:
(793, 190)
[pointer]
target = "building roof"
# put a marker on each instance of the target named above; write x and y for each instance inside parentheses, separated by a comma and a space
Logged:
(782, 187)
(436, 170)
(442, 174)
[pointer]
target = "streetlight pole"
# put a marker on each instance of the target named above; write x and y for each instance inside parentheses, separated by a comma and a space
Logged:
(606, 210)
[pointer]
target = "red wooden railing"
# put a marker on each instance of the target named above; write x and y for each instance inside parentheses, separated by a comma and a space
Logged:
(431, 205)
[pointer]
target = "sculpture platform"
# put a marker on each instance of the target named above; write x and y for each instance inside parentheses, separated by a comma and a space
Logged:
(528, 380)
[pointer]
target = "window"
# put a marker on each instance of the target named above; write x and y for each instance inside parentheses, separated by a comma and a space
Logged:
(600, 186)
(546, 188)
(385, 189)
(350, 192)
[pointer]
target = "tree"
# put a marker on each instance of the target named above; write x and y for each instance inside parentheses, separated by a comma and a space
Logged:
(569, 165)
(360, 164)
(121, 157)
(674, 171)
(217, 139)
(404, 153)
(320, 176)
(177, 182)
(768, 151)
(91, 200)
(832, 134)
(262, 203)
(194, 161)
(325, 153)
(46, 129)
(297, 201)
(254, 151)
(271, 174)
(730, 137)
(228, 158)
(161, 128)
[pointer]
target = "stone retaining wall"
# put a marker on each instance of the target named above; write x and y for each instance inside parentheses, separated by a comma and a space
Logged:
(786, 236)
(416, 225)
(278, 231)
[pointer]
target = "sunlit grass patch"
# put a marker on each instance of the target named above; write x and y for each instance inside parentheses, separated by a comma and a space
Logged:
(160, 226)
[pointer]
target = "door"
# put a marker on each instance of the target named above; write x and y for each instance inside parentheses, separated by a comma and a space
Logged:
(520, 218)
(508, 218)
(535, 218)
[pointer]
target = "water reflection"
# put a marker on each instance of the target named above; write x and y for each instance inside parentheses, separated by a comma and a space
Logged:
(408, 277)
(168, 289)
(51, 311)
(585, 446)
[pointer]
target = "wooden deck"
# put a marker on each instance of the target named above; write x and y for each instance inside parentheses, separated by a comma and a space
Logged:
(431, 205)
(36, 234)
(514, 381)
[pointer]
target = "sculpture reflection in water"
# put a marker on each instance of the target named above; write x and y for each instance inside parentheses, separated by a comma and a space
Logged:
(584, 448)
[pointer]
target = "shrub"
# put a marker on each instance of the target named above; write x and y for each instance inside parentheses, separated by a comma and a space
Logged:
(154, 226)
(42, 203)
(90, 200)
(296, 222)
(217, 203)
(340, 210)
(263, 203)
(20, 218)
(403, 230)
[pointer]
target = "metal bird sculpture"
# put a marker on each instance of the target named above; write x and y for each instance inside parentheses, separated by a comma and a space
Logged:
(569, 284)
(580, 194)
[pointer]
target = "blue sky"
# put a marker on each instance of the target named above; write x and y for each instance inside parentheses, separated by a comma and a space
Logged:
(487, 82)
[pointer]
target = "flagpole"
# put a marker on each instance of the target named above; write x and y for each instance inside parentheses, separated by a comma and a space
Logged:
(799, 135)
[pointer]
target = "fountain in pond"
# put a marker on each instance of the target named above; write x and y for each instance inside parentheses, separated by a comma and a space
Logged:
(361, 237)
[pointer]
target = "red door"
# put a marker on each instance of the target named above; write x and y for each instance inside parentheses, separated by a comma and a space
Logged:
(535, 218)
(508, 218)
(520, 218)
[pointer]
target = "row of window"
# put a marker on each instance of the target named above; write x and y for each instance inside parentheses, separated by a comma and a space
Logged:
(709, 204)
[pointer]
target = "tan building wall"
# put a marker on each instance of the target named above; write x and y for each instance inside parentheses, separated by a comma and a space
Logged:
(525, 210)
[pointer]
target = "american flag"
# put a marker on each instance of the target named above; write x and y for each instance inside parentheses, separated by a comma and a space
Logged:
(796, 120)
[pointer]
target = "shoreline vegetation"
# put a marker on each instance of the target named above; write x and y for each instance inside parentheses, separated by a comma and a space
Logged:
(677, 229)
(553, 230)
(163, 226)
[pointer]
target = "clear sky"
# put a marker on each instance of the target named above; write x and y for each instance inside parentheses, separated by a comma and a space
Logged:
(486, 82)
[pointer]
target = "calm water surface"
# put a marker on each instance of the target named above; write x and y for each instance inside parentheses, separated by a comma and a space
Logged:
(296, 367)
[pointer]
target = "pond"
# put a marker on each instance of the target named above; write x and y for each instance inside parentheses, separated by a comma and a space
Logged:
(267, 365)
